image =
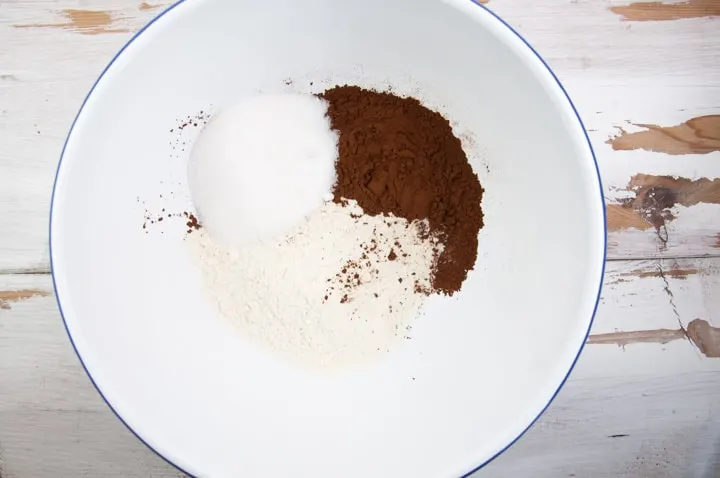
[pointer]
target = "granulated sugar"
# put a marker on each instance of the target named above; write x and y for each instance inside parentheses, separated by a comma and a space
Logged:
(338, 290)
(261, 166)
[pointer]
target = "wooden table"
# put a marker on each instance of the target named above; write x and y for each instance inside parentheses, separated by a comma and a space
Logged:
(644, 400)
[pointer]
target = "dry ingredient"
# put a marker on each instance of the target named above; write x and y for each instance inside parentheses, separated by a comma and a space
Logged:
(192, 222)
(261, 166)
(403, 223)
(185, 130)
(338, 290)
(199, 119)
(398, 157)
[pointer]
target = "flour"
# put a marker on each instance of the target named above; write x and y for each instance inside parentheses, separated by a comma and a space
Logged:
(340, 289)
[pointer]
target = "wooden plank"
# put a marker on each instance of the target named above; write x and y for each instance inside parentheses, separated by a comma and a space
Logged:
(659, 11)
(607, 59)
(45, 72)
(642, 393)
(623, 426)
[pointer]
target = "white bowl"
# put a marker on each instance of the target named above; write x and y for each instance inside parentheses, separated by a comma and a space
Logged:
(482, 366)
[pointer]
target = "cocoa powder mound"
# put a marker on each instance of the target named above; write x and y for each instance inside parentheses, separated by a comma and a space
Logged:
(398, 157)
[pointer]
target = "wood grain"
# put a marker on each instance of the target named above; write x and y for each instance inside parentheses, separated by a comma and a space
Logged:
(87, 22)
(7, 297)
(653, 204)
(655, 196)
(683, 191)
(699, 135)
(621, 339)
(674, 272)
(147, 6)
(683, 289)
(620, 217)
(699, 332)
(659, 11)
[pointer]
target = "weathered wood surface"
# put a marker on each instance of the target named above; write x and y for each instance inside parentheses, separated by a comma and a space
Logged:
(643, 400)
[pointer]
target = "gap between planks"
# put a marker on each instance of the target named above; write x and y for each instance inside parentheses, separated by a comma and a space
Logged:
(46, 270)
(25, 272)
(677, 257)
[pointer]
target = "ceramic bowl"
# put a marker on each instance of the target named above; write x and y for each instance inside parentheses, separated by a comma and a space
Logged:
(482, 366)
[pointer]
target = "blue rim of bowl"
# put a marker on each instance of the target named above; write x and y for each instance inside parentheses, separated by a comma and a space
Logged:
(602, 201)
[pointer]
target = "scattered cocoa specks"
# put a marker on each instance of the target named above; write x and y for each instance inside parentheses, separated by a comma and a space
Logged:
(352, 272)
(420, 289)
(181, 141)
(150, 218)
(200, 118)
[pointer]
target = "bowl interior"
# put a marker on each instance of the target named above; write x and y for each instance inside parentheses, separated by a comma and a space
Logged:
(481, 365)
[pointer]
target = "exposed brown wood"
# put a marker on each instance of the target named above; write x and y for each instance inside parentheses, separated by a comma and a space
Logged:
(87, 22)
(659, 11)
(675, 273)
(655, 196)
(699, 135)
(657, 192)
(147, 6)
(8, 297)
(621, 339)
(705, 337)
(621, 217)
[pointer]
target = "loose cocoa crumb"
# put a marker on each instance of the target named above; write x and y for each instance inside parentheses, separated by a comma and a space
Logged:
(193, 224)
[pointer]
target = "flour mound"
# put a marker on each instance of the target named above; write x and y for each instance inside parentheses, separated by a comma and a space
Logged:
(340, 289)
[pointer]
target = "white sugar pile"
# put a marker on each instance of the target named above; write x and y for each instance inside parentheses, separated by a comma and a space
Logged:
(340, 289)
(262, 144)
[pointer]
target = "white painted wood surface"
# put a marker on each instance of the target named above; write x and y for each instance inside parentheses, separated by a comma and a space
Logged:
(644, 400)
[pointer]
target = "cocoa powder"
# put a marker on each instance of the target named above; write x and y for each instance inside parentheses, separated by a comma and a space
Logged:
(398, 157)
